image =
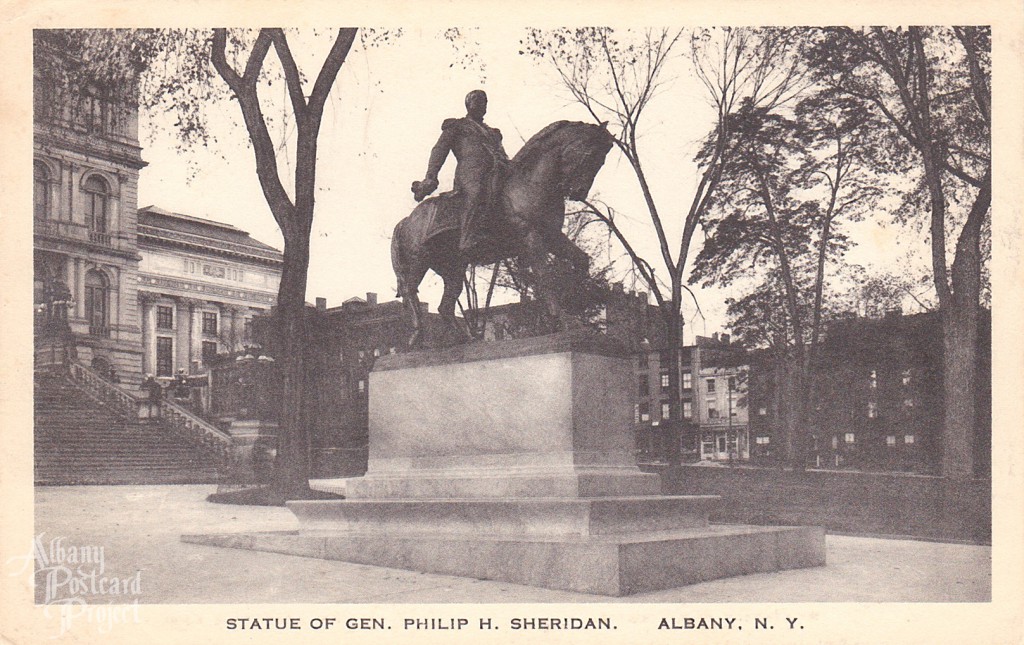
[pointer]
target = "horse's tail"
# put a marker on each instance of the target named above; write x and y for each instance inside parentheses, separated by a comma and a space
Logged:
(396, 257)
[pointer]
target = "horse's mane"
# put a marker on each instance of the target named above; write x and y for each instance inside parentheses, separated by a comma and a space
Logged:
(539, 142)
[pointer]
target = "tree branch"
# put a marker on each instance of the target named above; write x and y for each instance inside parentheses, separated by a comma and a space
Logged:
(332, 64)
(293, 79)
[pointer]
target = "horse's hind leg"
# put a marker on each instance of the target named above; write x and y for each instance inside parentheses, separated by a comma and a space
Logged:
(410, 298)
(452, 290)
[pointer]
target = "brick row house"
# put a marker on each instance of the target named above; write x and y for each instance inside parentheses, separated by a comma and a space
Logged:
(877, 400)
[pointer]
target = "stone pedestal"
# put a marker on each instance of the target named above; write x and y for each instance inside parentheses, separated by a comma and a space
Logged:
(514, 461)
(543, 417)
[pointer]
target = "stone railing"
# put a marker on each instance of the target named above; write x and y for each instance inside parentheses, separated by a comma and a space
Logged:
(172, 415)
(200, 432)
(62, 229)
(104, 390)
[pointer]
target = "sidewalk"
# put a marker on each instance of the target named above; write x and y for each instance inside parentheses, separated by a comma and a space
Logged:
(139, 528)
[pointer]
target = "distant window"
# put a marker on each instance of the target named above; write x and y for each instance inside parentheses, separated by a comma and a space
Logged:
(636, 413)
(392, 350)
(645, 412)
(890, 440)
(687, 381)
(164, 317)
(873, 379)
(687, 410)
(209, 322)
(908, 402)
(849, 437)
(762, 440)
(247, 330)
(41, 190)
(361, 386)
(762, 411)
(711, 385)
(712, 410)
(362, 354)
(97, 292)
(835, 441)
(644, 389)
(97, 195)
(872, 409)
(164, 356)
(666, 411)
(908, 439)
(209, 350)
(665, 383)
(906, 377)
(376, 353)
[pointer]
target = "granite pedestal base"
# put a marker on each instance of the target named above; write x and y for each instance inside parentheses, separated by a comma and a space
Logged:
(514, 461)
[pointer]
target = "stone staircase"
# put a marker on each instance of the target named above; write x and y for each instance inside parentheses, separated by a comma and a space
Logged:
(82, 440)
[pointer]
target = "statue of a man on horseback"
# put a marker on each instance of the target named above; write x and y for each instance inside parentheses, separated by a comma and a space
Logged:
(522, 199)
(482, 168)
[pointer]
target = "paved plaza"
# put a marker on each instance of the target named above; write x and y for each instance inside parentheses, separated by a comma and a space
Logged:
(139, 528)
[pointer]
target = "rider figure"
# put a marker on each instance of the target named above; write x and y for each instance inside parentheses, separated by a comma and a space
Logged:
(482, 165)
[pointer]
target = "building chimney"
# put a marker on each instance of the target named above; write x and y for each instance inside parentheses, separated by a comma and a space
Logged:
(321, 304)
(371, 298)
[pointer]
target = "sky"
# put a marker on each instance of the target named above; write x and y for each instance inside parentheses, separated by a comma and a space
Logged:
(381, 121)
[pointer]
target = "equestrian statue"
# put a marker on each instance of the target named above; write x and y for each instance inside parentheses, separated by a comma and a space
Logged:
(498, 208)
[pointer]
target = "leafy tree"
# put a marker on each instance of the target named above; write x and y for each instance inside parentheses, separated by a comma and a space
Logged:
(788, 184)
(615, 76)
(931, 88)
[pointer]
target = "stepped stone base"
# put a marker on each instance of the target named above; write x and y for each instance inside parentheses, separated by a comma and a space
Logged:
(611, 565)
(513, 461)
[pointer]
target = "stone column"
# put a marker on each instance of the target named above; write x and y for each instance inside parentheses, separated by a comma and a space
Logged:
(236, 333)
(183, 330)
(148, 303)
(196, 348)
(79, 288)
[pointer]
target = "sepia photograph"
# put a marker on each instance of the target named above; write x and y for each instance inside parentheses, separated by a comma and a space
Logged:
(516, 330)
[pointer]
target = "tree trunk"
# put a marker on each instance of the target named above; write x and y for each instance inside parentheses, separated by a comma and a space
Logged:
(292, 466)
(674, 329)
(960, 343)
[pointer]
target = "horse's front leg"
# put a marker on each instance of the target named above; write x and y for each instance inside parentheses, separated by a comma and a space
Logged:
(536, 254)
(560, 244)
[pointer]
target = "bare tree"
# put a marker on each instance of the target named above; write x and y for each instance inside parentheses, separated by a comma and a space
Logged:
(186, 73)
(615, 76)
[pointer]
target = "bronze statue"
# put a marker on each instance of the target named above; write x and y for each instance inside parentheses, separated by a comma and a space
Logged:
(482, 167)
(526, 215)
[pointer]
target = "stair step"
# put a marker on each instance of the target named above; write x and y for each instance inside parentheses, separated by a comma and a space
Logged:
(79, 440)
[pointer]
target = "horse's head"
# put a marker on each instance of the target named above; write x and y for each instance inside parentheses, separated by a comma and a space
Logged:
(582, 156)
(567, 155)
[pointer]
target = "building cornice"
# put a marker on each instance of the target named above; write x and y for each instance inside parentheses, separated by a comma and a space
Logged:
(156, 237)
(113, 150)
(203, 291)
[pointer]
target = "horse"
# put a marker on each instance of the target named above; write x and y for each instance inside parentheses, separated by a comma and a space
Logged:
(560, 162)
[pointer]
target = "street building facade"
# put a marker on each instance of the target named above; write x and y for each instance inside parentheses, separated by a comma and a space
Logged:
(877, 400)
(86, 163)
(200, 285)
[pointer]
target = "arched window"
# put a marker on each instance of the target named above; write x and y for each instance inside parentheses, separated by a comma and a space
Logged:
(97, 199)
(41, 190)
(97, 296)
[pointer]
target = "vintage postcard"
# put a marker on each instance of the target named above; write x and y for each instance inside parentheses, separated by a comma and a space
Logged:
(546, 322)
